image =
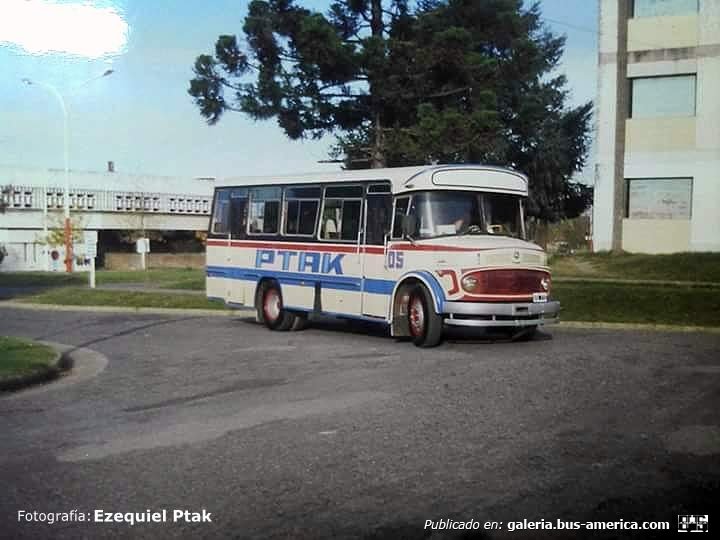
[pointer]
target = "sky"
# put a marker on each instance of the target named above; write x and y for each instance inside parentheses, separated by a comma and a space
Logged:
(140, 115)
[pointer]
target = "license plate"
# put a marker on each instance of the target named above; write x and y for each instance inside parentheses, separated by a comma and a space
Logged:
(539, 297)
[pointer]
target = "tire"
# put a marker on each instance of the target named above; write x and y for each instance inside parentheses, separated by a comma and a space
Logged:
(526, 333)
(425, 325)
(300, 323)
(270, 308)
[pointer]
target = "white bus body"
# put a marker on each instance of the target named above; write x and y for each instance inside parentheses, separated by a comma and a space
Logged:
(415, 248)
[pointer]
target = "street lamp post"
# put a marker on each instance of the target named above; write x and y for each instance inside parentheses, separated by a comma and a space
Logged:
(67, 235)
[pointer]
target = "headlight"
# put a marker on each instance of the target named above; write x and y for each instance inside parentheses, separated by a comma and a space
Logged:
(545, 283)
(469, 283)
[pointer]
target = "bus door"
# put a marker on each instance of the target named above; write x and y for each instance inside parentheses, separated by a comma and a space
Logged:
(339, 265)
(218, 249)
(378, 211)
(238, 225)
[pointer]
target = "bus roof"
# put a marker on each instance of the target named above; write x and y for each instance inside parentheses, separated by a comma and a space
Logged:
(404, 179)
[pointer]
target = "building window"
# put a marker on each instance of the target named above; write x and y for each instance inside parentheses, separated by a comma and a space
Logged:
(663, 96)
(660, 8)
(659, 198)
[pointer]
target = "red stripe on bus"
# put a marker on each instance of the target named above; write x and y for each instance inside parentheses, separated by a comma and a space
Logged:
(417, 247)
(347, 248)
(257, 244)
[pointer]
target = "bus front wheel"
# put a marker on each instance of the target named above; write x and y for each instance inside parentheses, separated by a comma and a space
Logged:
(424, 324)
(270, 308)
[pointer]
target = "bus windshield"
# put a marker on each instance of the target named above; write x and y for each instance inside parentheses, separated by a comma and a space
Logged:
(449, 213)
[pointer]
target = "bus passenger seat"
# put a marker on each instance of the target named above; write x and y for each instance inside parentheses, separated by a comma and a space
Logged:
(330, 229)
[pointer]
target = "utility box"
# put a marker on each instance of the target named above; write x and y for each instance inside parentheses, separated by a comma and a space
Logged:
(90, 247)
(142, 245)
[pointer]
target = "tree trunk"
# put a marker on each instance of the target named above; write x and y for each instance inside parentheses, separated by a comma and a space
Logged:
(377, 158)
(378, 152)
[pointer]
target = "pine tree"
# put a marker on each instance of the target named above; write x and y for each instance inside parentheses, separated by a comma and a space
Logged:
(452, 81)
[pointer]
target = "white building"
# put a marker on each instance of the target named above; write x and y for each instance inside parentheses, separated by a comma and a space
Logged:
(657, 180)
(34, 200)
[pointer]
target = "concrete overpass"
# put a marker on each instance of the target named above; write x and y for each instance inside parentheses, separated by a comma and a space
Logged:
(98, 201)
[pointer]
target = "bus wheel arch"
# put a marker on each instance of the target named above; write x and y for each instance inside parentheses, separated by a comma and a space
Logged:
(269, 308)
(414, 313)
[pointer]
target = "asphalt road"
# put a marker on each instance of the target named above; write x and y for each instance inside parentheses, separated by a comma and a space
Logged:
(337, 432)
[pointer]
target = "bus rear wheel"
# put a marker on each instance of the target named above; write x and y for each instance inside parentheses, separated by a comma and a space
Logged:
(424, 324)
(270, 308)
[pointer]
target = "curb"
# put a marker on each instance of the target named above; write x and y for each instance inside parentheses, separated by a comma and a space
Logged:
(86, 365)
(121, 309)
(638, 282)
(61, 363)
(639, 326)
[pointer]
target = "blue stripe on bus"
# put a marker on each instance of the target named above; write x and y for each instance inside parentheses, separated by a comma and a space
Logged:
(379, 286)
(343, 283)
(366, 318)
(435, 289)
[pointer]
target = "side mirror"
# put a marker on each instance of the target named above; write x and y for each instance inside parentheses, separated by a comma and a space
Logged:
(409, 226)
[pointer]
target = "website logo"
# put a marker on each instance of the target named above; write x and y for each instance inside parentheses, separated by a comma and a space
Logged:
(693, 523)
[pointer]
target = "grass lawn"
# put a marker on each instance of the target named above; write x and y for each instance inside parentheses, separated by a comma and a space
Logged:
(77, 296)
(582, 301)
(171, 278)
(673, 267)
(596, 302)
(612, 302)
(19, 357)
(190, 283)
(164, 277)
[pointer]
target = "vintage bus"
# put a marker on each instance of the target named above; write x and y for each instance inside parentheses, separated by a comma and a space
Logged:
(415, 248)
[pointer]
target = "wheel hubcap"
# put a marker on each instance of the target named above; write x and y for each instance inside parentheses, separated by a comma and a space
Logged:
(271, 305)
(417, 317)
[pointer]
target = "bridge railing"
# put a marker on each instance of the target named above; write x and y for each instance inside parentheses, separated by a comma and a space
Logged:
(95, 200)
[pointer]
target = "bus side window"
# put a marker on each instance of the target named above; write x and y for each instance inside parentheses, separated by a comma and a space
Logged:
(401, 206)
(379, 211)
(301, 210)
(350, 220)
(238, 212)
(308, 217)
(332, 215)
(341, 214)
(292, 213)
(264, 215)
(221, 212)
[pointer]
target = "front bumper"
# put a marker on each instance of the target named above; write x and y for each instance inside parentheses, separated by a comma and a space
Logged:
(496, 314)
